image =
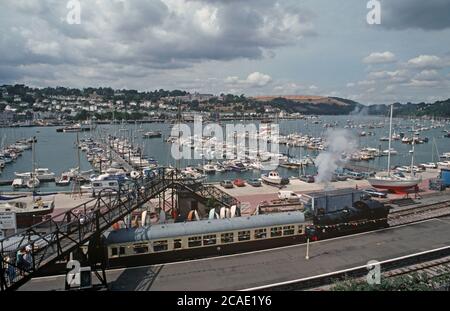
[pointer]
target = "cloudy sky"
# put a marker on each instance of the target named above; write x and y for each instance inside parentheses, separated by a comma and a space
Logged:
(256, 47)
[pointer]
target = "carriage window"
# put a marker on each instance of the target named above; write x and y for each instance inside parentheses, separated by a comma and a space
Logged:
(114, 251)
(300, 229)
(195, 241)
(209, 239)
(288, 230)
(111, 184)
(243, 235)
(97, 184)
(176, 243)
(121, 250)
(140, 248)
(226, 237)
(260, 233)
(159, 246)
(276, 231)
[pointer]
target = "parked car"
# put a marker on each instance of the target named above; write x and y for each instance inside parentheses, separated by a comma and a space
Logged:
(366, 175)
(239, 182)
(255, 182)
(355, 175)
(375, 193)
(307, 178)
(341, 177)
(226, 184)
(288, 195)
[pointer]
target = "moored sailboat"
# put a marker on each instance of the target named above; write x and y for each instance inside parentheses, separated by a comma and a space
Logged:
(396, 182)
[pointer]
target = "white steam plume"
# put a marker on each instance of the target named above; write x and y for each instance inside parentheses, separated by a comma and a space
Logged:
(341, 143)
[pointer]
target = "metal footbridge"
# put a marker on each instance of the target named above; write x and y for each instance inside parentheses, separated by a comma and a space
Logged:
(54, 239)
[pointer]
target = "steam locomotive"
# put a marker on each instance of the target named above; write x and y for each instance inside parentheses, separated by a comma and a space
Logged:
(364, 215)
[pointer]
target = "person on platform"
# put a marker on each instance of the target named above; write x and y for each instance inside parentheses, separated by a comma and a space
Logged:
(20, 261)
(27, 256)
(10, 270)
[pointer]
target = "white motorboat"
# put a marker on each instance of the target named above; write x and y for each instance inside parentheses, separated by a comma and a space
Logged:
(219, 168)
(153, 134)
(20, 147)
(392, 151)
(274, 178)
(430, 165)
(209, 169)
(256, 165)
(445, 155)
(18, 183)
(192, 174)
(75, 172)
(396, 137)
(444, 163)
(64, 180)
(43, 174)
(407, 140)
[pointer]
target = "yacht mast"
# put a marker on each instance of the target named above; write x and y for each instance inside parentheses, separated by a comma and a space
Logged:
(412, 158)
(78, 155)
(390, 141)
(33, 169)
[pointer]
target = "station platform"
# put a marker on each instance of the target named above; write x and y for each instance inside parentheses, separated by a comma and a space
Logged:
(261, 268)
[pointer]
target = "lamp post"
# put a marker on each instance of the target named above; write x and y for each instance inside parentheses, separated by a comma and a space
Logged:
(307, 249)
(310, 232)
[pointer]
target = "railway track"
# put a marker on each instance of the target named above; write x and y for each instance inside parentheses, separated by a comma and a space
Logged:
(432, 268)
(434, 262)
(418, 213)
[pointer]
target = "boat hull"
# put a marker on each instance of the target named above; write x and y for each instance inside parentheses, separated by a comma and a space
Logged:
(273, 181)
(397, 186)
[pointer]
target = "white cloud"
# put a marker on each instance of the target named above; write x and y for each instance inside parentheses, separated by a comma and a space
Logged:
(258, 79)
(380, 58)
(428, 75)
(423, 83)
(289, 88)
(207, 19)
(426, 61)
(390, 88)
(397, 76)
(232, 79)
(255, 79)
(366, 82)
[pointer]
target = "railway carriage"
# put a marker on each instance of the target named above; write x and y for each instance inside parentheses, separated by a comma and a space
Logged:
(180, 241)
(164, 243)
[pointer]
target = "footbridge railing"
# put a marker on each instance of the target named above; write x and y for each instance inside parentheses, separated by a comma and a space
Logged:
(22, 256)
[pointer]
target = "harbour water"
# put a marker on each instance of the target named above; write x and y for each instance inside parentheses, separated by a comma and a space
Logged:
(58, 152)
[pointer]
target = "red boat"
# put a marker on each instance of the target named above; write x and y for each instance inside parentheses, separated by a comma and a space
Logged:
(239, 182)
(396, 182)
